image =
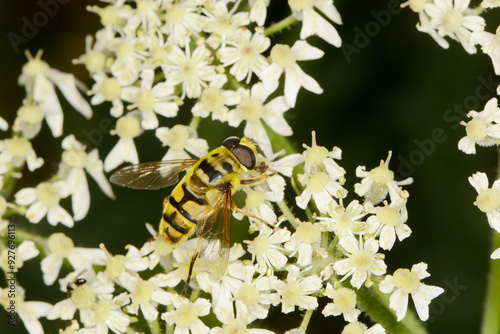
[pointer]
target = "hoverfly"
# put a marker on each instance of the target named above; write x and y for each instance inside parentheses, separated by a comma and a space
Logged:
(201, 202)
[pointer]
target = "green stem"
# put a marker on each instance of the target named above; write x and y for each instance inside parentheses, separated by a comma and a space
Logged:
(10, 181)
(195, 121)
(305, 320)
(376, 304)
(278, 26)
(288, 213)
(154, 326)
(491, 317)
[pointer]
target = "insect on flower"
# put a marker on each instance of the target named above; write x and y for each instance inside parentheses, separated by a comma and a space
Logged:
(201, 202)
(76, 283)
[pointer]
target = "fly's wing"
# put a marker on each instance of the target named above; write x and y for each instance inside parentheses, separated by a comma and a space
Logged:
(216, 236)
(151, 175)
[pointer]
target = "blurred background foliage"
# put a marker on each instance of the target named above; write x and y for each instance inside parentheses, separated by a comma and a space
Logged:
(389, 87)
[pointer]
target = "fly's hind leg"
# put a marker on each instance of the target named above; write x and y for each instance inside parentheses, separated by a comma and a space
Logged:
(251, 215)
(191, 265)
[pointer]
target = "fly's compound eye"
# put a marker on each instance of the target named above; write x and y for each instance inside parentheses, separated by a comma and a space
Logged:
(231, 142)
(245, 156)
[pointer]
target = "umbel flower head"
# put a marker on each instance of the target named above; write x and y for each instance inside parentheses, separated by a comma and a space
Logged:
(153, 61)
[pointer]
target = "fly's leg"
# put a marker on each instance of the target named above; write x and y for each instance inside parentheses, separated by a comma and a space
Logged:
(247, 182)
(250, 215)
(191, 265)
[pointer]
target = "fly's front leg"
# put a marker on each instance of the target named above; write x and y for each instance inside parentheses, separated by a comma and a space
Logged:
(251, 215)
(262, 178)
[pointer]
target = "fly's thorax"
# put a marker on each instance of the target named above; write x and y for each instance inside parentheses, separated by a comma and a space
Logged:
(218, 167)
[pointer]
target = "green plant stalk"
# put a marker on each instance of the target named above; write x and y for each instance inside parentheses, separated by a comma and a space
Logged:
(281, 25)
(306, 319)
(376, 304)
(491, 317)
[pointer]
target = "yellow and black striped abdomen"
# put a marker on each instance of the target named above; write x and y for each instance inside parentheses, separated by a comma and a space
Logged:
(193, 197)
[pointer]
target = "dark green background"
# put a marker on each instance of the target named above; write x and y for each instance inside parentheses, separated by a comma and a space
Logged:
(392, 93)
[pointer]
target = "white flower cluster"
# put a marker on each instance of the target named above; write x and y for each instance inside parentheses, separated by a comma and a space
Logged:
(484, 130)
(150, 58)
(457, 20)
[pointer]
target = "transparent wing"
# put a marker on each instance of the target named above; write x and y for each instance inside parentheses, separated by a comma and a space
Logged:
(151, 175)
(216, 235)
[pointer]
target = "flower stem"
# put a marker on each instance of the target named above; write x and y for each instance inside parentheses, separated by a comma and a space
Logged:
(195, 121)
(376, 304)
(287, 212)
(491, 318)
(278, 26)
(305, 320)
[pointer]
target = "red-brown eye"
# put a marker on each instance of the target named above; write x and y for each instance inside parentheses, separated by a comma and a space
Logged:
(245, 156)
(231, 142)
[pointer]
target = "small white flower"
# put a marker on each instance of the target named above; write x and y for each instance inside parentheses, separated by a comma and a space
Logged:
(490, 45)
(24, 252)
(181, 20)
(221, 23)
(29, 119)
(405, 282)
(267, 248)
(284, 59)
(214, 99)
(151, 100)
(181, 138)
(186, 315)
(107, 89)
(483, 128)
(254, 297)
(191, 70)
(238, 326)
(44, 201)
(14, 152)
(314, 23)
(3, 124)
(39, 79)
(116, 265)
(343, 221)
(296, 291)
(303, 241)
(360, 328)
(127, 128)
(344, 302)
(28, 311)
(488, 199)
(59, 247)
(490, 4)
(453, 18)
(388, 222)
(319, 187)
(258, 11)
(245, 55)
(82, 297)
(379, 181)
(257, 203)
(318, 158)
(253, 109)
(496, 254)
(75, 162)
(362, 261)
(144, 294)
